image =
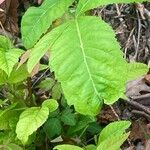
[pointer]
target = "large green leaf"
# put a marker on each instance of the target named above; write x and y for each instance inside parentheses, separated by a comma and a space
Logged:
(85, 5)
(87, 60)
(67, 147)
(113, 129)
(89, 65)
(36, 21)
(32, 118)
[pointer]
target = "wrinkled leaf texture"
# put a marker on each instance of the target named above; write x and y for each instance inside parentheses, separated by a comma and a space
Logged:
(37, 20)
(32, 118)
(87, 60)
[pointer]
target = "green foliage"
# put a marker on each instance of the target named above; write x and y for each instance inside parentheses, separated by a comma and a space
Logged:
(112, 130)
(12, 146)
(68, 118)
(90, 82)
(136, 70)
(9, 55)
(52, 127)
(86, 60)
(82, 123)
(67, 147)
(111, 138)
(47, 84)
(113, 143)
(95, 77)
(36, 21)
(32, 118)
(85, 5)
(42, 47)
(17, 75)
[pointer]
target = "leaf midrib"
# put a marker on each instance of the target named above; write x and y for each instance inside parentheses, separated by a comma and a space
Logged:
(84, 57)
(82, 8)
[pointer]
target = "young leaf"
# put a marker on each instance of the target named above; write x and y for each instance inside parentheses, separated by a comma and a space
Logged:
(82, 123)
(68, 118)
(85, 5)
(12, 146)
(30, 120)
(113, 129)
(8, 59)
(3, 77)
(113, 143)
(18, 75)
(67, 147)
(5, 43)
(52, 127)
(57, 91)
(9, 55)
(90, 147)
(136, 70)
(46, 84)
(51, 104)
(36, 21)
(96, 74)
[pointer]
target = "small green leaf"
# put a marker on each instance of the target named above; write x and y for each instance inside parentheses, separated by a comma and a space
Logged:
(47, 84)
(8, 59)
(30, 120)
(136, 70)
(12, 146)
(51, 104)
(56, 91)
(5, 43)
(67, 147)
(85, 5)
(3, 77)
(82, 122)
(52, 127)
(90, 147)
(113, 143)
(36, 21)
(113, 129)
(18, 75)
(68, 118)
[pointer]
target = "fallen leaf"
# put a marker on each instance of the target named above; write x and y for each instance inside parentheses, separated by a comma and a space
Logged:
(35, 69)
(24, 58)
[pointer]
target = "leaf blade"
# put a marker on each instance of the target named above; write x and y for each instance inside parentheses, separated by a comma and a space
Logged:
(85, 5)
(83, 73)
(36, 19)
